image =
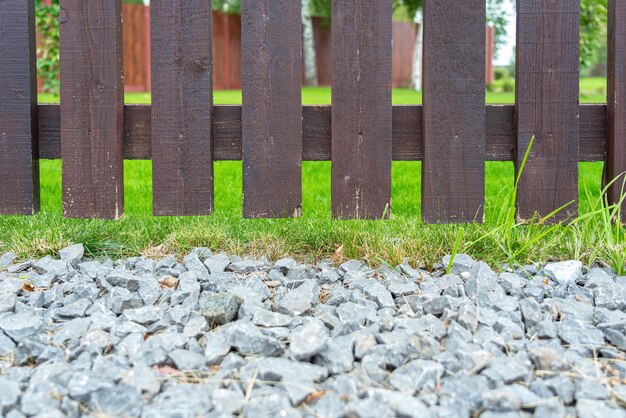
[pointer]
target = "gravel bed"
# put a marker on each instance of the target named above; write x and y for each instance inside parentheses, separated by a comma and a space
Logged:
(217, 336)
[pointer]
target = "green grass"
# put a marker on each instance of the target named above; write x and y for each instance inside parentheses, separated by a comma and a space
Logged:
(316, 234)
(592, 90)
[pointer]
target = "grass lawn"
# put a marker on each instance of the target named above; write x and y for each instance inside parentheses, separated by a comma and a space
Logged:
(316, 234)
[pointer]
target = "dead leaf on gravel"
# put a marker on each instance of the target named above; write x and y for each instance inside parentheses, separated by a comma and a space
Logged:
(169, 282)
(28, 287)
(166, 370)
(314, 397)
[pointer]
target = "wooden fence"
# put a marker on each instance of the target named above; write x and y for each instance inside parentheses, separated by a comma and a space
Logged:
(453, 133)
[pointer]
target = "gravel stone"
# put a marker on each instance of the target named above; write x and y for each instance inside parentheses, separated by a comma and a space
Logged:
(587, 408)
(266, 318)
(117, 401)
(299, 300)
(274, 405)
(367, 408)
(215, 347)
(462, 263)
(187, 360)
(6, 260)
(564, 272)
(221, 308)
(579, 333)
(7, 302)
(72, 254)
(124, 279)
(76, 309)
(509, 398)
(21, 325)
(379, 294)
(217, 263)
(193, 263)
(416, 375)
(144, 315)
(308, 340)
(531, 312)
(188, 290)
(247, 339)
(337, 355)
(9, 394)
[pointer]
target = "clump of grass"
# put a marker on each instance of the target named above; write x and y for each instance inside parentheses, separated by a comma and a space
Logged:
(596, 236)
(599, 234)
(517, 240)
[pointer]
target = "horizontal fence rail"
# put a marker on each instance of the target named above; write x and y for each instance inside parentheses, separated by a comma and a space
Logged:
(361, 133)
(407, 133)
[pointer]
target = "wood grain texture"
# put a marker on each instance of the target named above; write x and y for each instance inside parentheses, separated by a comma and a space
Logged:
(547, 106)
(19, 165)
(615, 167)
(182, 101)
(272, 108)
(362, 110)
(316, 139)
(92, 108)
(453, 172)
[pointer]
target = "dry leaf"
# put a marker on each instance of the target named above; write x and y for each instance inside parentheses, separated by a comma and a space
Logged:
(272, 283)
(28, 287)
(169, 282)
(338, 257)
(315, 396)
(166, 369)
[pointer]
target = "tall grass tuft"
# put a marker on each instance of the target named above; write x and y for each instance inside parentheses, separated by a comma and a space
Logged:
(596, 236)
(600, 231)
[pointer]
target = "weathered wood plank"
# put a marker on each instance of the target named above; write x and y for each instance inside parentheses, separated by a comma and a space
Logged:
(362, 110)
(453, 168)
(547, 106)
(615, 167)
(407, 133)
(19, 165)
(272, 110)
(92, 108)
(182, 100)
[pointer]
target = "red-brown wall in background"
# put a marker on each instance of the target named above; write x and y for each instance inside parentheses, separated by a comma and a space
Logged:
(227, 50)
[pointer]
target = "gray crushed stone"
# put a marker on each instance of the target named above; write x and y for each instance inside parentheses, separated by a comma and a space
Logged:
(217, 335)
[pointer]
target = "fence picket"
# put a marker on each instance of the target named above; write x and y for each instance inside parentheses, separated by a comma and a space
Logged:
(19, 165)
(92, 108)
(272, 109)
(182, 101)
(361, 110)
(615, 166)
(453, 173)
(548, 34)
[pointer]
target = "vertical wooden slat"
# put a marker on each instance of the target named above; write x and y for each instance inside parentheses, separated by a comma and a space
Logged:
(453, 174)
(361, 111)
(19, 165)
(272, 108)
(182, 164)
(92, 108)
(615, 167)
(548, 34)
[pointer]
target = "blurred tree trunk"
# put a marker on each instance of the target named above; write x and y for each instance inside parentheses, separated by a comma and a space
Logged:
(308, 45)
(417, 54)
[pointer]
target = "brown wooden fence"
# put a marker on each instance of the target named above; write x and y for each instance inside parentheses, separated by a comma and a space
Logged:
(453, 133)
